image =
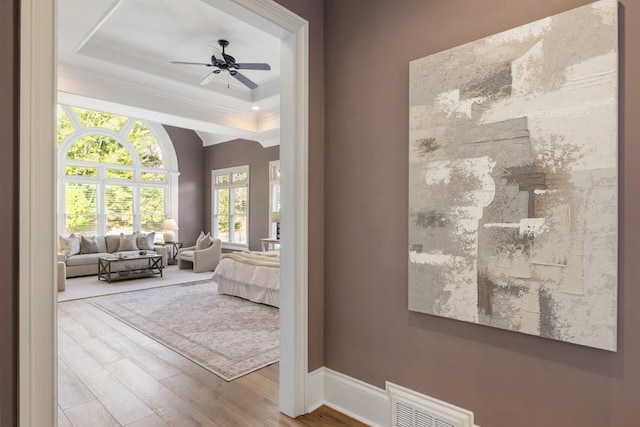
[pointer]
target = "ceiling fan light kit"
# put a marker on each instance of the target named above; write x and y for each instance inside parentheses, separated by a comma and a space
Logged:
(225, 62)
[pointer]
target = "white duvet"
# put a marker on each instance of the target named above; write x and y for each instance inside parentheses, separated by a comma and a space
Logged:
(251, 275)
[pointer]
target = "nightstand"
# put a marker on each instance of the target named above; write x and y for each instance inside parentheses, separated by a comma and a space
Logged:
(173, 251)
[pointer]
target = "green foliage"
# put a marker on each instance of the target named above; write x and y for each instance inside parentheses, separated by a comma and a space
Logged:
(224, 211)
(99, 149)
(98, 119)
(80, 207)
(81, 198)
(81, 171)
(65, 128)
(153, 176)
(146, 146)
(119, 206)
(119, 174)
(151, 208)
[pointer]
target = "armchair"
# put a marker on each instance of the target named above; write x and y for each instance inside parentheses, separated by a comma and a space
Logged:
(203, 259)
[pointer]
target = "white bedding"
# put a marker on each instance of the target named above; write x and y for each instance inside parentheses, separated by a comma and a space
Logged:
(251, 275)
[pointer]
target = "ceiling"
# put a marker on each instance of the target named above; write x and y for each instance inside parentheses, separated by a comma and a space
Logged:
(115, 55)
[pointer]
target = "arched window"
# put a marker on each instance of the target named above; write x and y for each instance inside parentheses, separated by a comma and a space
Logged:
(116, 174)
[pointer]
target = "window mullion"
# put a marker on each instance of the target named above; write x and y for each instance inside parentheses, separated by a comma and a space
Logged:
(137, 211)
(100, 207)
(232, 214)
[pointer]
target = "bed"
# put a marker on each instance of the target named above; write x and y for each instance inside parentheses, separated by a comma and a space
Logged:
(254, 276)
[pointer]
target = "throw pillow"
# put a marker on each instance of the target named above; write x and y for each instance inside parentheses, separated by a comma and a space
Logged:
(128, 243)
(112, 242)
(89, 245)
(203, 242)
(70, 245)
(145, 241)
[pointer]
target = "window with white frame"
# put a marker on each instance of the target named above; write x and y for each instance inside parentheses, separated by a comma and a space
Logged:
(274, 197)
(113, 174)
(230, 210)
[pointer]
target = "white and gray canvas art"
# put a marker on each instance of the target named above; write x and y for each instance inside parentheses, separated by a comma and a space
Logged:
(513, 180)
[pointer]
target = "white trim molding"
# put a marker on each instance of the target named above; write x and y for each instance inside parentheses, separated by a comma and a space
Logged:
(37, 315)
(357, 399)
(294, 148)
(364, 402)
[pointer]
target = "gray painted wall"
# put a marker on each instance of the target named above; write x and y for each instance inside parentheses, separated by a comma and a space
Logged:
(190, 153)
(238, 153)
(508, 379)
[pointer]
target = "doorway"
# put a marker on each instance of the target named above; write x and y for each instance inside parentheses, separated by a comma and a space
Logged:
(37, 321)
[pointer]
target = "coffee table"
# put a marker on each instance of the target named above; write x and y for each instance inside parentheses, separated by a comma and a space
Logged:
(111, 268)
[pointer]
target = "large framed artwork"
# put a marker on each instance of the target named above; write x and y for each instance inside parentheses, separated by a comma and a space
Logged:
(513, 179)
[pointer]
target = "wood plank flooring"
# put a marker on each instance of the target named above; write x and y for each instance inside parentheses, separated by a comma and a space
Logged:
(110, 374)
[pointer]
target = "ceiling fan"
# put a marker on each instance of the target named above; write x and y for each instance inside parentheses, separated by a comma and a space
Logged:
(224, 62)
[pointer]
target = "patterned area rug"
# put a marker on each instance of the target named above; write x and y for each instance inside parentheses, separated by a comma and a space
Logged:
(229, 336)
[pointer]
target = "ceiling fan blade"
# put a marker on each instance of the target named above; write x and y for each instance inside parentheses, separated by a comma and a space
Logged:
(244, 80)
(191, 63)
(207, 79)
(253, 66)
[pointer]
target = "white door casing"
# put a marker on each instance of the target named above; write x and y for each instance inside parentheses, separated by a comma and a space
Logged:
(37, 298)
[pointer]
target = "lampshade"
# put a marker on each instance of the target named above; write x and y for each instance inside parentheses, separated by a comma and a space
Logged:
(169, 224)
(275, 216)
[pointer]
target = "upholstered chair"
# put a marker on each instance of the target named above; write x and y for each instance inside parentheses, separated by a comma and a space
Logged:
(200, 259)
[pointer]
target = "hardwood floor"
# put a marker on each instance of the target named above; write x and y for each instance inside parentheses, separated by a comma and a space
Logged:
(110, 374)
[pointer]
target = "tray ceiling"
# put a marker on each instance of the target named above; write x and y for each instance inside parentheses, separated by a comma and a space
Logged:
(113, 53)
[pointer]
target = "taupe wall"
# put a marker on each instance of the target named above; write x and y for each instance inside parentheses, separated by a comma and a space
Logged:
(507, 379)
(238, 153)
(191, 189)
(313, 12)
(8, 211)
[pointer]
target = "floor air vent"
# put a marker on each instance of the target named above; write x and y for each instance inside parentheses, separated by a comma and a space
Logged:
(411, 409)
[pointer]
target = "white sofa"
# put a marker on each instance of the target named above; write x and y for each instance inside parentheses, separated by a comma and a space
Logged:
(87, 264)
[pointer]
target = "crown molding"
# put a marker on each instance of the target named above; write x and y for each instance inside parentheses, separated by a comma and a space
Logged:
(268, 138)
(81, 83)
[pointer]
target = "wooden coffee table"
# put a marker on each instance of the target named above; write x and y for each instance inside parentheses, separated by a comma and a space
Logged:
(110, 268)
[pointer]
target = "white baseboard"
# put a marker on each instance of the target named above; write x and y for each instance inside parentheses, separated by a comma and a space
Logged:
(315, 389)
(352, 397)
(357, 399)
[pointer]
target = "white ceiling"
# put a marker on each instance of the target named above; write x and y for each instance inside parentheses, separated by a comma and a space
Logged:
(115, 55)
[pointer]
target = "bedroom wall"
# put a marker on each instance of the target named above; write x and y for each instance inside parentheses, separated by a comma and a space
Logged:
(507, 379)
(191, 189)
(9, 211)
(238, 153)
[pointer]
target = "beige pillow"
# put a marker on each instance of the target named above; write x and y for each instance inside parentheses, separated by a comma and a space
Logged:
(128, 242)
(112, 242)
(70, 245)
(89, 245)
(203, 242)
(145, 241)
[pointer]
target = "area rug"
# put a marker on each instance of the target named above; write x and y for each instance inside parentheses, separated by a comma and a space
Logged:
(229, 336)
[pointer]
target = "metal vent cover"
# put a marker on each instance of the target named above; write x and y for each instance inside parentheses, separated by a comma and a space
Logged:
(412, 409)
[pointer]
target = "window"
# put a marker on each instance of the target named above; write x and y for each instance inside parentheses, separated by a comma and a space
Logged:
(115, 175)
(274, 195)
(230, 198)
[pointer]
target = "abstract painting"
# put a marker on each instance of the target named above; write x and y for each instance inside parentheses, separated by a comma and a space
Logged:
(513, 179)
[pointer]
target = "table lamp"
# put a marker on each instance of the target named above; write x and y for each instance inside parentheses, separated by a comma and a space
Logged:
(169, 226)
